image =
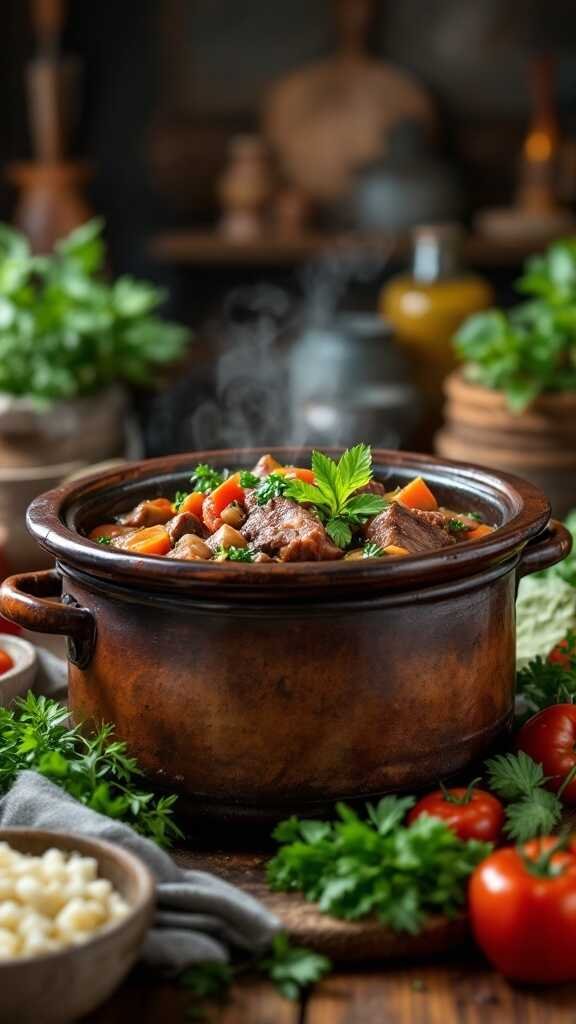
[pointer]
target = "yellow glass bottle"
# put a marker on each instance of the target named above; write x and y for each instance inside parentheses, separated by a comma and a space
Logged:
(426, 306)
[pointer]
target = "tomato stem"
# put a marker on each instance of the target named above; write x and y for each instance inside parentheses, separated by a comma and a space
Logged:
(466, 797)
(569, 777)
(541, 866)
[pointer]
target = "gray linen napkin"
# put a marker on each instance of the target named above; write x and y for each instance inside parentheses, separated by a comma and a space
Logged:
(198, 916)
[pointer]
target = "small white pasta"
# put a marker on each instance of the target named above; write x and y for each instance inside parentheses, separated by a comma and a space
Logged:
(52, 901)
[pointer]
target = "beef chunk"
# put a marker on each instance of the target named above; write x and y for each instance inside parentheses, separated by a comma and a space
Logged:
(182, 524)
(374, 487)
(409, 528)
(148, 513)
(284, 528)
(191, 548)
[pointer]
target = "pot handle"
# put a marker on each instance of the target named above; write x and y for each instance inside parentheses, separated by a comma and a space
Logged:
(24, 600)
(549, 547)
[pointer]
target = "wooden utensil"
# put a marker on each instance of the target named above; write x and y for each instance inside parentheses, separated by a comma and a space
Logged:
(329, 118)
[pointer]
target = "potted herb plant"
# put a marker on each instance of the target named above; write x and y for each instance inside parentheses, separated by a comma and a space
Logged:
(70, 341)
(512, 404)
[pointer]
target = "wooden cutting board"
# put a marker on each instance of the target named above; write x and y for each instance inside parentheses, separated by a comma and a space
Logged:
(343, 941)
(329, 118)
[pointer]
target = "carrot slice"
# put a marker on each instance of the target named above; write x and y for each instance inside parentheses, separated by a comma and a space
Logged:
(192, 503)
(152, 540)
(298, 472)
(417, 494)
(479, 531)
(395, 549)
(229, 491)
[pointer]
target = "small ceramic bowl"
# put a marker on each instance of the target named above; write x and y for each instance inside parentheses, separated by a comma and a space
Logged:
(17, 680)
(58, 988)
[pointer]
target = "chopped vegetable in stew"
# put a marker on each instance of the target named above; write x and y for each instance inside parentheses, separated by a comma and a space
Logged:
(333, 510)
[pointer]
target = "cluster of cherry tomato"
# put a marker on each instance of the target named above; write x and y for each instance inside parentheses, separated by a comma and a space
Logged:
(522, 900)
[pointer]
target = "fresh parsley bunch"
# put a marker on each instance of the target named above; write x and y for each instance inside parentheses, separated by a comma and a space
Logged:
(35, 734)
(334, 494)
(531, 349)
(65, 331)
(206, 479)
(355, 867)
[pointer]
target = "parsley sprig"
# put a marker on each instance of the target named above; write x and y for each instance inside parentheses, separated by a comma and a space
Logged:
(35, 734)
(531, 809)
(206, 479)
(334, 495)
(292, 969)
(355, 867)
(233, 554)
(372, 550)
(275, 485)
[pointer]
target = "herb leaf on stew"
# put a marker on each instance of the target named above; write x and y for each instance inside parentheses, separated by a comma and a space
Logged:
(233, 554)
(273, 486)
(206, 479)
(372, 550)
(334, 494)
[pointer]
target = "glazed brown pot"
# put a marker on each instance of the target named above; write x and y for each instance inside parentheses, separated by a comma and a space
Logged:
(539, 443)
(257, 689)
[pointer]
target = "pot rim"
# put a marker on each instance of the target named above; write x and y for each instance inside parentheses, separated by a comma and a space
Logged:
(528, 508)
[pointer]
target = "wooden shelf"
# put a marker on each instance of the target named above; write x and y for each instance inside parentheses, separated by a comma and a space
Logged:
(208, 249)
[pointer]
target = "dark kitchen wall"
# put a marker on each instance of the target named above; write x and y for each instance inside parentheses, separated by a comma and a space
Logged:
(167, 81)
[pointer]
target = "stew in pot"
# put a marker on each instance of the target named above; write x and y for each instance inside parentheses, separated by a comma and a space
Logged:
(332, 510)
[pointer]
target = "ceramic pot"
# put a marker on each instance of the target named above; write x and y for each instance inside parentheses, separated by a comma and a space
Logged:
(259, 689)
(539, 444)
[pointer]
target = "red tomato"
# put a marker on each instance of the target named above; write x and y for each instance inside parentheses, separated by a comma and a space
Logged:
(470, 813)
(524, 919)
(6, 662)
(549, 737)
(564, 654)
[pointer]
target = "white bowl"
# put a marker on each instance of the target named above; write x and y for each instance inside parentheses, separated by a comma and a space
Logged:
(18, 679)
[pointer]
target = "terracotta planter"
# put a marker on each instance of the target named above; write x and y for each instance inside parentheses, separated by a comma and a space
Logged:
(539, 444)
(256, 690)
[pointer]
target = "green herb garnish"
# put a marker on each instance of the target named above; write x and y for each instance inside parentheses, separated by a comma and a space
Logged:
(233, 554)
(457, 526)
(248, 479)
(353, 867)
(206, 479)
(275, 485)
(372, 550)
(179, 499)
(334, 495)
(532, 810)
(96, 770)
(105, 539)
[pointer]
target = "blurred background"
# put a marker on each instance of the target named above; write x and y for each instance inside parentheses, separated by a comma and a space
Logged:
(325, 190)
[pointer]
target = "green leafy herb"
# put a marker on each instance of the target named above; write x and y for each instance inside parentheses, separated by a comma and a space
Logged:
(334, 494)
(457, 526)
(206, 479)
(233, 554)
(179, 499)
(542, 682)
(96, 770)
(248, 479)
(372, 550)
(533, 810)
(532, 349)
(353, 868)
(475, 515)
(291, 969)
(104, 540)
(272, 486)
(65, 331)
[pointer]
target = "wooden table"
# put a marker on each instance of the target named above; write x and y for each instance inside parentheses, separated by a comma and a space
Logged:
(459, 989)
(464, 992)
